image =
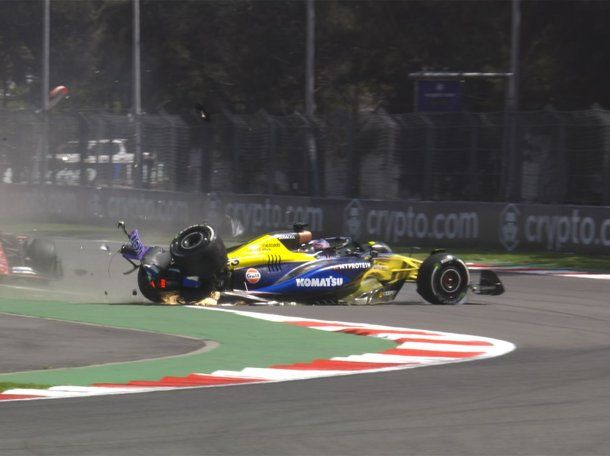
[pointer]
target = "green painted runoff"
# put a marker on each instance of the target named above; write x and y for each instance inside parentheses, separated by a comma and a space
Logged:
(244, 341)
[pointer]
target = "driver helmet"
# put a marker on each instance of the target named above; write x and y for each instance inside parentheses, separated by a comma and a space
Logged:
(380, 247)
(316, 246)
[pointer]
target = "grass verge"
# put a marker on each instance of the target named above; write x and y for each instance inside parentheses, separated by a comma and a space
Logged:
(5, 386)
(551, 260)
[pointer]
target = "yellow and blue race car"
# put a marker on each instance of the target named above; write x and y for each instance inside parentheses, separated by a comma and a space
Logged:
(290, 266)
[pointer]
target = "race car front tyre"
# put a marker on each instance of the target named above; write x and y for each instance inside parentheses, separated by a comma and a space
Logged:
(443, 279)
(146, 288)
(198, 251)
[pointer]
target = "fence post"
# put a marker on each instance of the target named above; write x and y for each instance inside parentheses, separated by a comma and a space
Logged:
(312, 151)
(604, 117)
(235, 151)
(271, 152)
(179, 176)
(49, 159)
(391, 127)
(513, 157)
(606, 161)
(205, 164)
(40, 159)
(473, 183)
(137, 152)
(315, 165)
(562, 159)
(353, 157)
(428, 156)
(389, 139)
(83, 142)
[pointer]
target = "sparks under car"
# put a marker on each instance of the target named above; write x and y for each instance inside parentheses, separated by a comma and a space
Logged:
(289, 266)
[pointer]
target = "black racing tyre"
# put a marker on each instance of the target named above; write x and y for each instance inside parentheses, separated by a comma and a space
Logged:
(146, 288)
(198, 251)
(443, 279)
(43, 255)
(185, 295)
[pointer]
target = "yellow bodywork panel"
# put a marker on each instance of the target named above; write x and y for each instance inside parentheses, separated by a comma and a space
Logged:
(389, 268)
(263, 249)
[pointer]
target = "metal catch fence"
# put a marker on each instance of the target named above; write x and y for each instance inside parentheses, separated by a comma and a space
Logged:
(552, 156)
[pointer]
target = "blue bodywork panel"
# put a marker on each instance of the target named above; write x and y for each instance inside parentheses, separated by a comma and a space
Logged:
(323, 278)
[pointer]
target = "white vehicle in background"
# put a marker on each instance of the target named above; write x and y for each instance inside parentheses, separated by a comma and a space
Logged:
(106, 159)
(98, 151)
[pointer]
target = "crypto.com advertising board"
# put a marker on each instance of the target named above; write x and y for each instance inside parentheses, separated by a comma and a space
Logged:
(503, 226)
(492, 225)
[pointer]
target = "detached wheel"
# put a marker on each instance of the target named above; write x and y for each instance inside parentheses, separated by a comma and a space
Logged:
(146, 288)
(443, 279)
(198, 251)
(43, 254)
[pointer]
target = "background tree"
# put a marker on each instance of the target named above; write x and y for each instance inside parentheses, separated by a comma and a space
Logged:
(246, 55)
(19, 40)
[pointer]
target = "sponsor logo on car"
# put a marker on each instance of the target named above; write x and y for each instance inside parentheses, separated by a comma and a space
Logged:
(285, 236)
(270, 245)
(360, 265)
(320, 282)
(253, 275)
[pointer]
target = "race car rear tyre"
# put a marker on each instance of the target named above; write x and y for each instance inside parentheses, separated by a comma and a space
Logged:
(146, 288)
(443, 279)
(43, 254)
(183, 296)
(198, 251)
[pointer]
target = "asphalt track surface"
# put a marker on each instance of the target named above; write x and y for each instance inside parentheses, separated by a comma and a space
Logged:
(38, 343)
(551, 396)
